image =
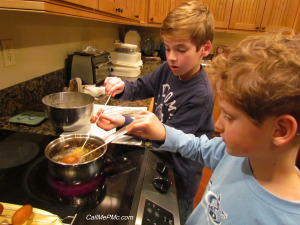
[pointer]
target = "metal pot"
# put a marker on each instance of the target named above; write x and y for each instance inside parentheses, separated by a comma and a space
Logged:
(69, 111)
(75, 173)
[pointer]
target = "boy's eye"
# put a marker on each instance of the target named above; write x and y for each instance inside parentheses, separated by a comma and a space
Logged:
(182, 50)
(227, 117)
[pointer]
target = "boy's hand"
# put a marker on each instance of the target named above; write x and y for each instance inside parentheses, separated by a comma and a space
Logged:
(148, 126)
(113, 86)
(108, 122)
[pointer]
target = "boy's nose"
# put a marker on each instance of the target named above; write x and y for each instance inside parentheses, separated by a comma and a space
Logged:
(219, 125)
(171, 56)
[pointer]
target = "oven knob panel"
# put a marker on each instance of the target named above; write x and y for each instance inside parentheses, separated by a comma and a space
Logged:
(162, 169)
(154, 214)
(161, 184)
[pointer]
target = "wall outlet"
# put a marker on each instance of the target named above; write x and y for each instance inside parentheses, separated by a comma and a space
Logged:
(8, 52)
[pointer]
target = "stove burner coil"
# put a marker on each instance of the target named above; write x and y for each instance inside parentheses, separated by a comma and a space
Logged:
(44, 188)
(75, 190)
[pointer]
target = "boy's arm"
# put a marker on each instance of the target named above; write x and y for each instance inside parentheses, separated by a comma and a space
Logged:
(208, 152)
(142, 88)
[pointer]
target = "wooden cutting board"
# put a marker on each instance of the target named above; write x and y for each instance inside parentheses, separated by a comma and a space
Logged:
(38, 217)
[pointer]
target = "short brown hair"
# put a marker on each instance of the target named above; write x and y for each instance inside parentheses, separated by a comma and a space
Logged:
(191, 20)
(261, 76)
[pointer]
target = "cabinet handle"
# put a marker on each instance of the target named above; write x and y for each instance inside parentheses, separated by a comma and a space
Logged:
(263, 28)
(257, 28)
(136, 16)
(119, 10)
(151, 18)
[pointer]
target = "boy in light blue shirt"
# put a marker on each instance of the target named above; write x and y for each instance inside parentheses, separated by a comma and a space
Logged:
(255, 180)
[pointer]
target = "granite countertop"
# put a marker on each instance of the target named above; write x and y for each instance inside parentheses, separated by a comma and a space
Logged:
(46, 128)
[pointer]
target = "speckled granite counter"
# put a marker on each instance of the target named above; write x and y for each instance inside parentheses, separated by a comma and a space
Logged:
(28, 95)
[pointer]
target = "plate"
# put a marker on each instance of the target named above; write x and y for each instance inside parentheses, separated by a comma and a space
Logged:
(38, 216)
(133, 37)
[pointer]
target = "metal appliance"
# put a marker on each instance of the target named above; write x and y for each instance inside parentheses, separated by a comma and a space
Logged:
(90, 68)
(125, 193)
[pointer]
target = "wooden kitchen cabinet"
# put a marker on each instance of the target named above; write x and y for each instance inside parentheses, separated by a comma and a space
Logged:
(158, 10)
(279, 13)
(75, 8)
(263, 15)
(221, 10)
(131, 9)
(86, 3)
(252, 15)
(116, 7)
(137, 10)
(297, 22)
(232, 15)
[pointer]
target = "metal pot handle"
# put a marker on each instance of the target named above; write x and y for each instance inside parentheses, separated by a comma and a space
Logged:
(115, 135)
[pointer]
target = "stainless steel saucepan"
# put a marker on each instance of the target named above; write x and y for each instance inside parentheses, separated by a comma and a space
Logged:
(79, 173)
(91, 163)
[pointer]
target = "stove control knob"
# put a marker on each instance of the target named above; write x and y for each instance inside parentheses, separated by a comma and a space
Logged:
(162, 168)
(161, 184)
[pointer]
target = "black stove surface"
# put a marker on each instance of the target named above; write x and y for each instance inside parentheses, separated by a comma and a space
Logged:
(29, 182)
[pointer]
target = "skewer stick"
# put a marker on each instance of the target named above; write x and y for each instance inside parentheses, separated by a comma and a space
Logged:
(88, 137)
(111, 138)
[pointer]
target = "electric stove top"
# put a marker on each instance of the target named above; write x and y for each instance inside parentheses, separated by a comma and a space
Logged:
(132, 189)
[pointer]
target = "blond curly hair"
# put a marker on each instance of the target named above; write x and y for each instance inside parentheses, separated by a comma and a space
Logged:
(261, 76)
(191, 21)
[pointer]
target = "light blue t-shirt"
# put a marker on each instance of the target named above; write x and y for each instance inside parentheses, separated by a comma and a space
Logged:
(232, 196)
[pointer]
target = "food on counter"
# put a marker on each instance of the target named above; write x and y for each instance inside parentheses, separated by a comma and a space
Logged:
(1, 208)
(22, 215)
(18, 214)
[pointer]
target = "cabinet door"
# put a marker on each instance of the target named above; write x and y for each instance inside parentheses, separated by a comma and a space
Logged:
(158, 10)
(297, 22)
(221, 9)
(247, 14)
(116, 7)
(136, 9)
(179, 2)
(278, 14)
(86, 3)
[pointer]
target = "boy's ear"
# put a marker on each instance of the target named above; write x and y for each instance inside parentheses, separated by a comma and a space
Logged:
(206, 48)
(285, 129)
